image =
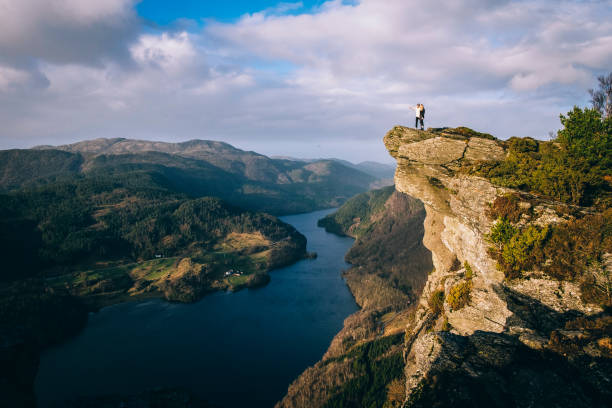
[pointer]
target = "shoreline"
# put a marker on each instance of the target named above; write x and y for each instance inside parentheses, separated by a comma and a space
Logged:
(304, 268)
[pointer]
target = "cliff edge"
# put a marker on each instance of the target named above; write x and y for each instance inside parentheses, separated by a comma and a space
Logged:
(489, 330)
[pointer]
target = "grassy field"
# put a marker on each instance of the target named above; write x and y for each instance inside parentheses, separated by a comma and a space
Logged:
(140, 280)
(154, 269)
(240, 241)
(90, 276)
(238, 280)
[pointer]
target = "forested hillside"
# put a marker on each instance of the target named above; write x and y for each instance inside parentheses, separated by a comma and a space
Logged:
(364, 365)
(79, 231)
(74, 245)
(197, 168)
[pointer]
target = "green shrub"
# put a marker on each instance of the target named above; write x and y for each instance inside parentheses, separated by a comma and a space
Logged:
(502, 232)
(523, 251)
(469, 273)
(436, 301)
(574, 168)
(570, 251)
(517, 250)
(459, 295)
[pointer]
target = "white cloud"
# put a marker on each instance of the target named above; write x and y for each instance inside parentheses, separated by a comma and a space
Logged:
(345, 72)
(11, 77)
(429, 44)
(66, 31)
(172, 53)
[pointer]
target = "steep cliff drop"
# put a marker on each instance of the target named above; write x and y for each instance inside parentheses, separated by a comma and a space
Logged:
(512, 309)
(479, 338)
(364, 363)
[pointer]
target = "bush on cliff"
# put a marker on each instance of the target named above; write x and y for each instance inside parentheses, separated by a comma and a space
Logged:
(436, 301)
(507, 207)
(502, 232)
(517, 250)
(574, 168)
(572, 251)
(459, 295)
(523, 251)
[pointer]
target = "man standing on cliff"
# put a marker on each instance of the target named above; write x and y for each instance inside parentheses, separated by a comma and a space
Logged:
(419, 111)
(422, 116)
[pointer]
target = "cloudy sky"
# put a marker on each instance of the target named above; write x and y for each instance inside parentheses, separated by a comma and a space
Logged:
(306, 79)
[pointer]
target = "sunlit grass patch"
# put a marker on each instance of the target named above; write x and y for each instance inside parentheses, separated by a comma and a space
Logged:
(154, 269)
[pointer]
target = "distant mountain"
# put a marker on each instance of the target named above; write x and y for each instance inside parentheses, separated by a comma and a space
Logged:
(376, 169)
(251, 165)
(197, 168)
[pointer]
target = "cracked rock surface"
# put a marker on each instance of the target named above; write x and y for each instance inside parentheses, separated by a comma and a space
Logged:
(501, 349)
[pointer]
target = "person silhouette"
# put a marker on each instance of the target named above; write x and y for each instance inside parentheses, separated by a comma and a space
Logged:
(422, 116)
(419, 111)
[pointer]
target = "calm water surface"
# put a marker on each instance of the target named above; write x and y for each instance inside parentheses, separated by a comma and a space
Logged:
(233, 349)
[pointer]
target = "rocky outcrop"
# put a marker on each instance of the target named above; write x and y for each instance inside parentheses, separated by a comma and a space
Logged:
(504, 330)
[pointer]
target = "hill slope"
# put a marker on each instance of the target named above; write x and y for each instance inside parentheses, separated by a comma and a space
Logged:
(389, 269)
(197, 168)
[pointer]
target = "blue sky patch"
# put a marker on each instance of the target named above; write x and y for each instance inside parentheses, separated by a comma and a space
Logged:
(163, 12)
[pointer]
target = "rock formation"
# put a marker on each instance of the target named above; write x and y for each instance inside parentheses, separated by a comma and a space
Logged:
(510, 315)
(498, 346)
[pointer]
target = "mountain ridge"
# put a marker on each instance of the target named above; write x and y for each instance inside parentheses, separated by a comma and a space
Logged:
(196, 167)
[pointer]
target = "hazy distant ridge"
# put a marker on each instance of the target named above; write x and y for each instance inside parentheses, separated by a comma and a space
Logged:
(197, 168)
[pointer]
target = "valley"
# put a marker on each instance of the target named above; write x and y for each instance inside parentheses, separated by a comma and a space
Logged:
(227, 349)
(109, 221)
(465, 270)
(505, 314)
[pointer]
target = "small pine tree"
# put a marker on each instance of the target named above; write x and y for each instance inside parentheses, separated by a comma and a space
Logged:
(602, 97)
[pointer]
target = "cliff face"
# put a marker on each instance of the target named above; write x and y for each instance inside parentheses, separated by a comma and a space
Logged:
(363, 365)
(478, 339)
(483, 322)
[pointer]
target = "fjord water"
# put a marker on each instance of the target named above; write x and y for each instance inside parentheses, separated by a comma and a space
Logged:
(232, 349)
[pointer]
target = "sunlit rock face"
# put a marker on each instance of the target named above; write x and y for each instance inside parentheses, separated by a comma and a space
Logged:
(472, 337)
(505, 323)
